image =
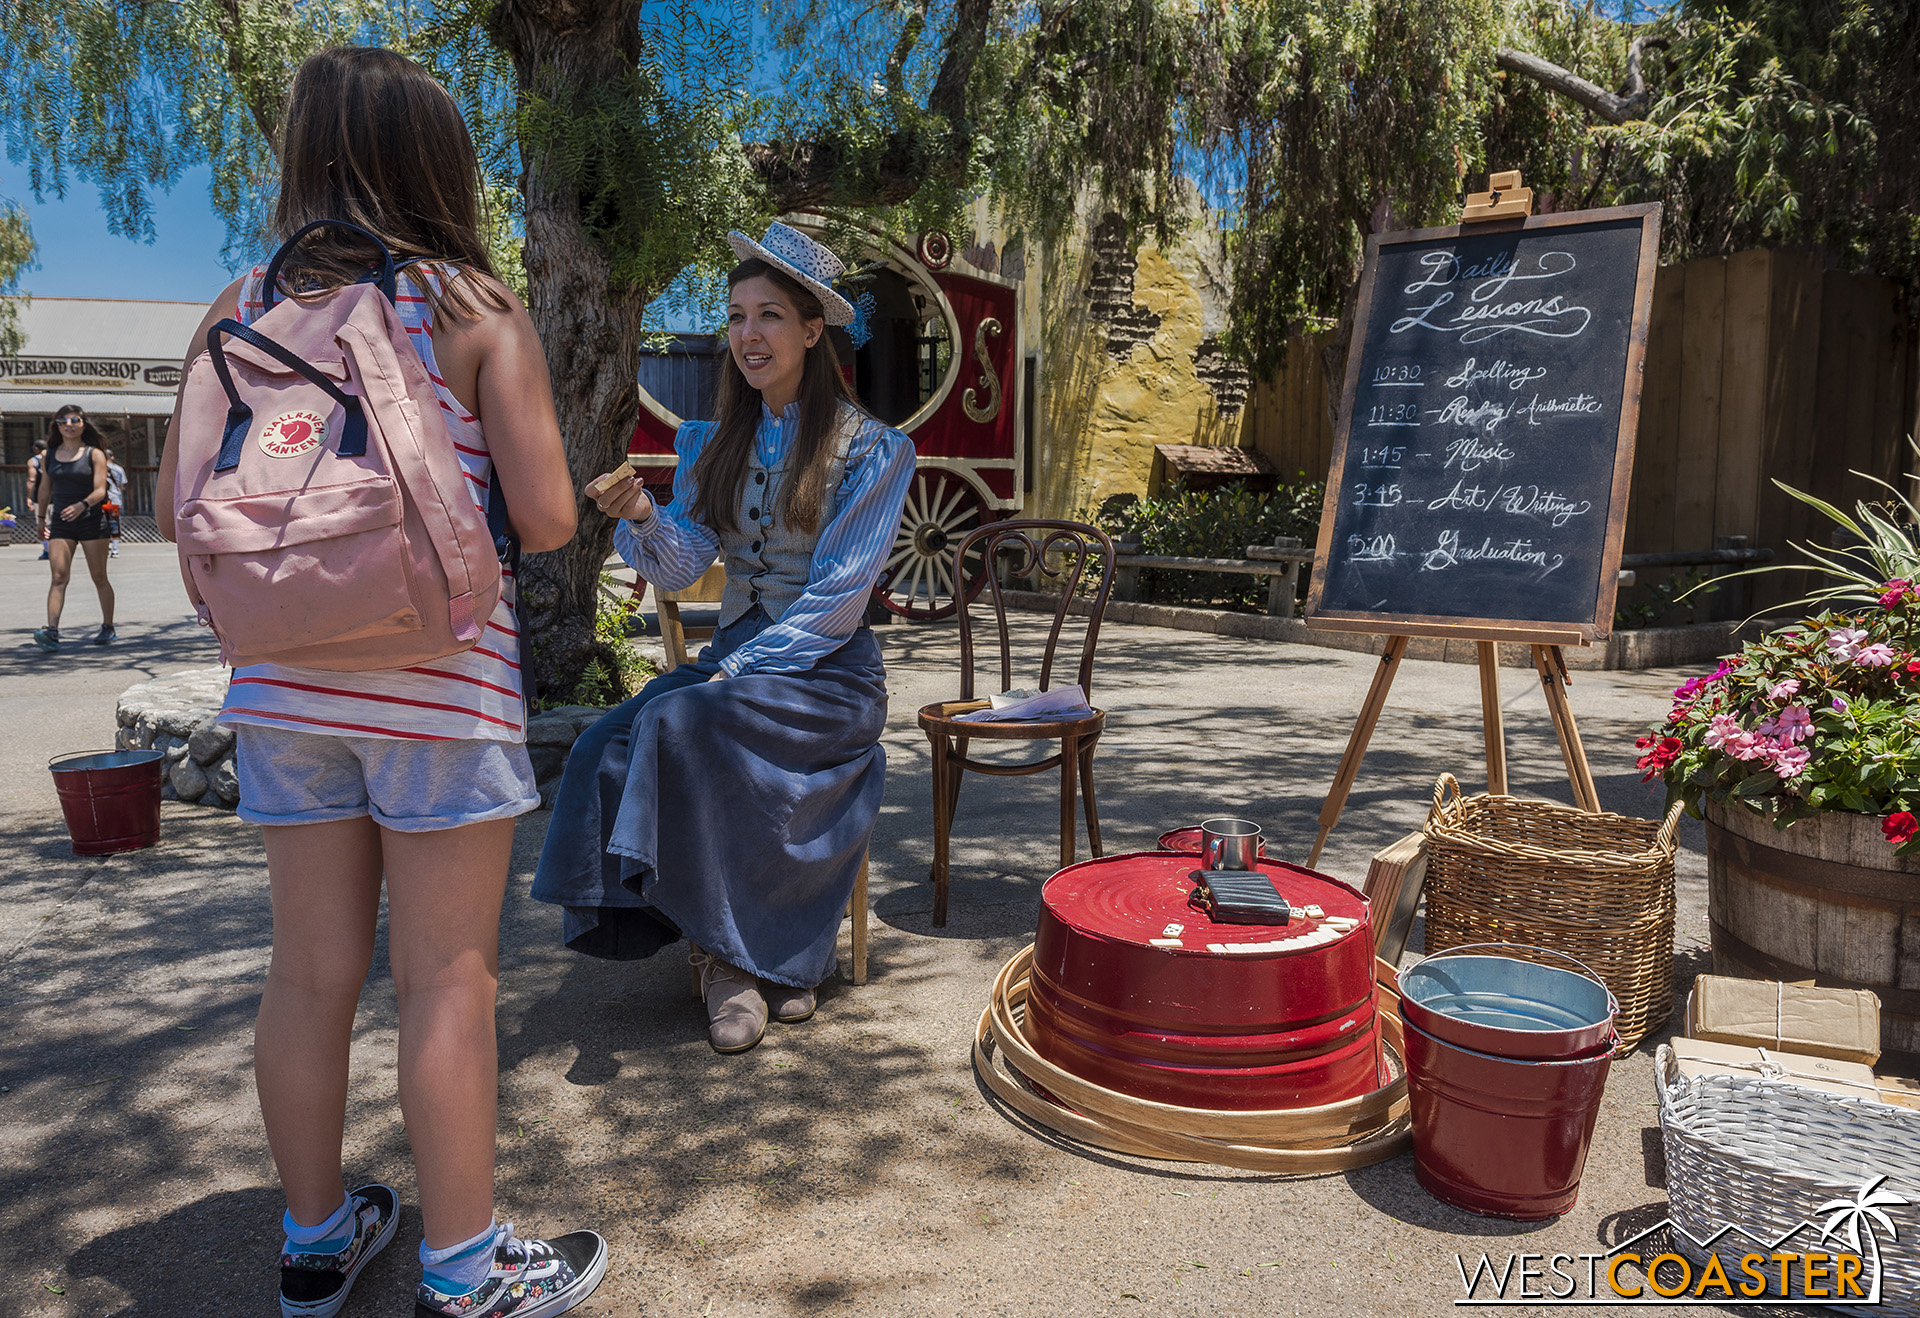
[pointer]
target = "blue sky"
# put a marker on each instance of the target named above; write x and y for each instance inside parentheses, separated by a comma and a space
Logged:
(79, 258)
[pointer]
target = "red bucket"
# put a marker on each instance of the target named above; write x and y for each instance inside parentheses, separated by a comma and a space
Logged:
(1501, 1136)
(111, 799)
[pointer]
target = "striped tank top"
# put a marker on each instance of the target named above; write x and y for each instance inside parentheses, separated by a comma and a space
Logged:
(474, 695)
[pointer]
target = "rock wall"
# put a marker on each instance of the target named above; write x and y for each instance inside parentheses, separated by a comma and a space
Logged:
(180, 717)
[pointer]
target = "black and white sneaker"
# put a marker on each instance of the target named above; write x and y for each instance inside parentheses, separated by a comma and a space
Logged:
(529, 1279)
(316, 1285)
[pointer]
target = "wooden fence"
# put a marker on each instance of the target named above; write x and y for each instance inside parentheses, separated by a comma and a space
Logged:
(1760, 366)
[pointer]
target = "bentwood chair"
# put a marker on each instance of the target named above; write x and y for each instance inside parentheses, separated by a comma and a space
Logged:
(1053, 553)
(673, 635)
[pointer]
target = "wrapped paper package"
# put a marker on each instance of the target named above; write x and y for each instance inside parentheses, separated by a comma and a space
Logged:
(1845, 1079)
(1843, 1024)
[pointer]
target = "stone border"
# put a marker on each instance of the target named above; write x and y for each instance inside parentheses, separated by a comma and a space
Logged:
(1646, 647)
(179, 716)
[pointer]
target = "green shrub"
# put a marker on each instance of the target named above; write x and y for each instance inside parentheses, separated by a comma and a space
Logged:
(1218, 523)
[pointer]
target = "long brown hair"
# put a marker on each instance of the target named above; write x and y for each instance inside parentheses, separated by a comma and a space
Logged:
(89, 436)
(371, 138)
(721, 469)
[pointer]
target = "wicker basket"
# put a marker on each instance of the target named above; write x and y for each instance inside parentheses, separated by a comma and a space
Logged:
(1763, 1157)
(1598, 887)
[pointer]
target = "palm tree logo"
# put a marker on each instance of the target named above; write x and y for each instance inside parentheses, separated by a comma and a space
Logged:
(1848, 1216)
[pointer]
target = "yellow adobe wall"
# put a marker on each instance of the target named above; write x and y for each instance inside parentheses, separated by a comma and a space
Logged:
(1100, 415)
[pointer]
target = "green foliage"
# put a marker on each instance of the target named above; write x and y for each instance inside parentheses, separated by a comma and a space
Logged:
(1661, 601)
(1776, 122)
(1219, 523)
(16, 257)
(1808, 719)
(617, 668)
(128, 96)
(1886, 545)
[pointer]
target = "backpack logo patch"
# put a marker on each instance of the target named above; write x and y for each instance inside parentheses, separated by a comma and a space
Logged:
(292, 433)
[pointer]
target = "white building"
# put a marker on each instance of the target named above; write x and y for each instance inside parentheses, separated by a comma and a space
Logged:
(119, 360)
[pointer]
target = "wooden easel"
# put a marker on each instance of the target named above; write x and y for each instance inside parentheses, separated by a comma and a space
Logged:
(1505, 198)
(1548, 661)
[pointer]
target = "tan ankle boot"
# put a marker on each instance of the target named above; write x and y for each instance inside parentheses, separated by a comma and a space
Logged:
(790, 1005)
(736, 1013)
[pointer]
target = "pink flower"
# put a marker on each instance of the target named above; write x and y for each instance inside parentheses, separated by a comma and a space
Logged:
(1794, 724)
(1840, 704)
(1900, 827)
(1895, 591)
(1781, 690)
(1874, 656)
(1788, 761)
(1843, 641)
(1723, 730)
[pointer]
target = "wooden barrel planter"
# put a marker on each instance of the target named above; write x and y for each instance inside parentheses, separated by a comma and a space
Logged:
(1825, 900)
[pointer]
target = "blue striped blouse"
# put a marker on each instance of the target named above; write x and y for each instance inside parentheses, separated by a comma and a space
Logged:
(671, 549)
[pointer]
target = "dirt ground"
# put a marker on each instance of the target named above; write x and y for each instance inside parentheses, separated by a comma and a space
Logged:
(852, 1164)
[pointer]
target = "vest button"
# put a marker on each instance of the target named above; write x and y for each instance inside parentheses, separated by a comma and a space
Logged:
(756, 546)
(754, 513)
(759, 478)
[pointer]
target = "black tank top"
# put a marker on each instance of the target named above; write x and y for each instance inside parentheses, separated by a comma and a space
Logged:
(72, 481)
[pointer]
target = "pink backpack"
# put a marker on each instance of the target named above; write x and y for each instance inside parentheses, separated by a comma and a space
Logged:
(321, 514)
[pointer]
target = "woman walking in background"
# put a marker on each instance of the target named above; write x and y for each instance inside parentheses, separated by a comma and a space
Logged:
(408, 776)
(73, 489)
(36, 470)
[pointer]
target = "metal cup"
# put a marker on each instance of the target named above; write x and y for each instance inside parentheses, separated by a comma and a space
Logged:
(1229, 844)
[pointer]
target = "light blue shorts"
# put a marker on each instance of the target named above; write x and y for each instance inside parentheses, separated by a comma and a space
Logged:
(291, 777)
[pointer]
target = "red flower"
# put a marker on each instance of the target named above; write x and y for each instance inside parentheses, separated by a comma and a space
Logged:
(1657, 759)
(1895, 591)
(1900, 827)
(1913, 665)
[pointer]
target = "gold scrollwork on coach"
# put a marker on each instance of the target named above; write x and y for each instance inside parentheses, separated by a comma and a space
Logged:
(970, 400)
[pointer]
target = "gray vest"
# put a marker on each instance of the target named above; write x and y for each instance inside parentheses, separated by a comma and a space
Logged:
(769, 562)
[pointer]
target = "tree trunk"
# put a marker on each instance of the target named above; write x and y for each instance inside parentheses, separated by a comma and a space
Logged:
(590, 330)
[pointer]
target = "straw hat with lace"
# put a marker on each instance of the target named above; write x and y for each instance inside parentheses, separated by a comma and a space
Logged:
(793, 253)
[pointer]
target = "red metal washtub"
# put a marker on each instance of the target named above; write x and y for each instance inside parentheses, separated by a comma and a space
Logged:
(1196, 1025)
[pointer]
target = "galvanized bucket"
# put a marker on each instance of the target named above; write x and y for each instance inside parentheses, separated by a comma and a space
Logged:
(1508, 1007)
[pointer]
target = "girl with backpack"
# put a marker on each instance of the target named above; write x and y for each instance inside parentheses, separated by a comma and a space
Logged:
(72, 493)
(416, 773)
(731, 800)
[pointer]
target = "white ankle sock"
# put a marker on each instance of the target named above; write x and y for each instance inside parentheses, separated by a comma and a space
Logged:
(459, 1268)
(329, 1237)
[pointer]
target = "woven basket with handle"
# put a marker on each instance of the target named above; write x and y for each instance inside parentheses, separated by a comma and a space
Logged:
(1767, 1157)
(1598, 887)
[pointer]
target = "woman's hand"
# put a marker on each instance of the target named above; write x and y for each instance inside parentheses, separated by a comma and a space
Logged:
(620, 494)
(73, 512)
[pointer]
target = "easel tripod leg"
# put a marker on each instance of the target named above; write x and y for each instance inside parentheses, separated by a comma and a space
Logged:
(1357, 744)
(1490, 719)
(1552, 667)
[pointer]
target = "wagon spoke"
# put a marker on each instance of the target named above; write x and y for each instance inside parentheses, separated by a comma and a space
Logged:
(946, 576)
(948, 505)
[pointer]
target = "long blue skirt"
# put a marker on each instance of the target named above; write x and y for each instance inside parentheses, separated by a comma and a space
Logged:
(733, 813)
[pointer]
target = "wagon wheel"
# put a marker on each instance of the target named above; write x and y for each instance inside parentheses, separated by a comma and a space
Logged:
(917, 581)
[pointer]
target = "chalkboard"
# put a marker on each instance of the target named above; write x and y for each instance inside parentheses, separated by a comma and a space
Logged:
(1485, 440)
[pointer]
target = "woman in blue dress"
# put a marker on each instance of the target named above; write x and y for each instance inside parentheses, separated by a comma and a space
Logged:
(731, 800)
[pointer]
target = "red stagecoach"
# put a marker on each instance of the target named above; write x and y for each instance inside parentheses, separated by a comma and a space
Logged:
(944, 362)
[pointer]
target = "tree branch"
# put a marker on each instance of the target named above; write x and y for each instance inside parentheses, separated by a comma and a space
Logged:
(903, 48)
(1615, 109)
(802, 174)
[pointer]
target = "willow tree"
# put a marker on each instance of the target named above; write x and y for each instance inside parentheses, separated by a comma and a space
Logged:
(16, 254)
(622, 140)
